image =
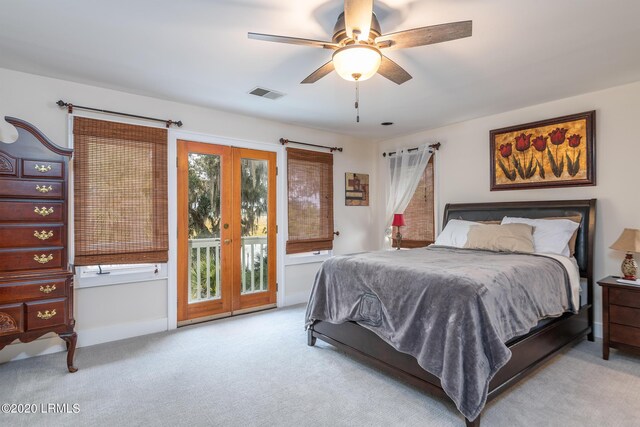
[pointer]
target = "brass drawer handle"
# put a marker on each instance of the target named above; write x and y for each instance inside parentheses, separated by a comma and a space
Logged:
(47, 289)
(47, 314)
(43, 235)
(44, 188)
(43, 259)
(43, 168)
(43, 211)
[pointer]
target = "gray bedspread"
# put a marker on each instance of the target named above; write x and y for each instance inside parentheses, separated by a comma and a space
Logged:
(452, 309)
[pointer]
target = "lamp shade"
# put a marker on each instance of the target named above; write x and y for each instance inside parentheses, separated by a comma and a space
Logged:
(629, 241)
(398, 220)
(356, 62)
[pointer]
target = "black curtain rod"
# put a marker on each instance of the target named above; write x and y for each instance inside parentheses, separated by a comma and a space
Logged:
(434, 147)
(284, 141)
(70, 108)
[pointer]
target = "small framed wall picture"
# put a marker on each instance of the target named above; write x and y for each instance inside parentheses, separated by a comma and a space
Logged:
(356, 189)
(557, 152)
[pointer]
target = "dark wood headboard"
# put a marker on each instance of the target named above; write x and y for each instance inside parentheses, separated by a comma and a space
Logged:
(538, 209)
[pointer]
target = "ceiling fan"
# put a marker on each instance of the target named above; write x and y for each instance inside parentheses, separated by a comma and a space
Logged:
(358, 43)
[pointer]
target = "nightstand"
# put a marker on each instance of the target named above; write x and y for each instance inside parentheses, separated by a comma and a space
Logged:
(620, 316)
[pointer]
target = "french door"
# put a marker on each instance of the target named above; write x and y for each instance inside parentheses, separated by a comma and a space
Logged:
(226, 231)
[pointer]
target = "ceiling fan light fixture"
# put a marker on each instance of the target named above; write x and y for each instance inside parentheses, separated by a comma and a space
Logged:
(357, 62)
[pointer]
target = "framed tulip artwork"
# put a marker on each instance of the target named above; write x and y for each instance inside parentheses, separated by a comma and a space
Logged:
(550, 153)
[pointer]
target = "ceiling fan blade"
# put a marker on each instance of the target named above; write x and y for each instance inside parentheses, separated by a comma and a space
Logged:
(293, 40)
(319, 73)
(426, 35)
(393, 71)
(357, 16)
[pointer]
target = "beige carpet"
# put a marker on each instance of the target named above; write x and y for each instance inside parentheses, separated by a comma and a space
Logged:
(256, 370)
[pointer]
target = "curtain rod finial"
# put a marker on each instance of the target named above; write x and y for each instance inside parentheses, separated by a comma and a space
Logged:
(62, 104)
(169, 123)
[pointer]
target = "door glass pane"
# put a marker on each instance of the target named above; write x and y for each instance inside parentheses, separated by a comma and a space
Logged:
(204, 227)
(253, 211)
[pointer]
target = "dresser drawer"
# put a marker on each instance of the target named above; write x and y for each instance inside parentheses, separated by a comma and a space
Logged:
(624, 297)
(31, 236)
(11, 319)
(44, 314)
(624, 334)
(31, 211)
(624, 315)
(30, 259)
(42, 168)
(31, 189)
(10, 292)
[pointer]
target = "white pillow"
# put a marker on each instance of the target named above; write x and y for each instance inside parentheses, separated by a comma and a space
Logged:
(549, 235)
(455, 233)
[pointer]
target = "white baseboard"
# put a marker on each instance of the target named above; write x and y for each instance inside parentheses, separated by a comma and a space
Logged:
(120, 331)
(86, 337)
(597, 329)
(39, 347)
(296, 298)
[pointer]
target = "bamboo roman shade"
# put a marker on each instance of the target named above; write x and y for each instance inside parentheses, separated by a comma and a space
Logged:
(419, 214)
(310, 190)
(120, 193)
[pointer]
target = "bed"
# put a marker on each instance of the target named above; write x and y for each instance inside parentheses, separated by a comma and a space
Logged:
(527, 351)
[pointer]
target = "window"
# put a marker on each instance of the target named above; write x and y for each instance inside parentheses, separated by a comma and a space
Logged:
(310, 193)
(419, 214)
(120, 193)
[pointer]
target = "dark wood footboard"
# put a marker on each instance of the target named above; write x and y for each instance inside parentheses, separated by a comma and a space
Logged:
(528, 352)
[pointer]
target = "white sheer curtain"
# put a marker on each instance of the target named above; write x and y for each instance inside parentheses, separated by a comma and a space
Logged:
(404, 170)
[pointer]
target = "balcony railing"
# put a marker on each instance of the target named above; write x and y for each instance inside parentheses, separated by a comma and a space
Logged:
(205, 263)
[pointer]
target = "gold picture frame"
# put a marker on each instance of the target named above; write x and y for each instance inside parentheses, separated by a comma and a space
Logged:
(549, 153)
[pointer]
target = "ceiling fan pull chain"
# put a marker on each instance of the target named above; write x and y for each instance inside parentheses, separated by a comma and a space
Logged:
(357, 101)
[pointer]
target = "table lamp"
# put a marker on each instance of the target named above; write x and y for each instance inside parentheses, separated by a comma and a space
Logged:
(629, 241)
(398, 221)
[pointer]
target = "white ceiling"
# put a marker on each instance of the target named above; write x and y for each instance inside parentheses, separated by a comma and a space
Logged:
(521, 53)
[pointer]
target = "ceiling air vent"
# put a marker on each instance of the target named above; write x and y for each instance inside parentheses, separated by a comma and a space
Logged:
(266, 93)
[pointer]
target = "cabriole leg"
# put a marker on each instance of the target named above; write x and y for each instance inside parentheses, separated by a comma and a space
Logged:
(71, 340)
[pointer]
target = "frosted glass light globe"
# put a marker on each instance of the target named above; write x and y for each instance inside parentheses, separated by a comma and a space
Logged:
(356, 62)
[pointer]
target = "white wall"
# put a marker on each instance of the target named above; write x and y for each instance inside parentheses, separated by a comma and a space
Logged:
(119, 311)
(462, 171)
(463, 165)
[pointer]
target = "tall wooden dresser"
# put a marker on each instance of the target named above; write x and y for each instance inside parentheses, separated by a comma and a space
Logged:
(36, 283)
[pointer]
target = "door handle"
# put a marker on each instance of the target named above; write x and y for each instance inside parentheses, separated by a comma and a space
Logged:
(227, 241)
